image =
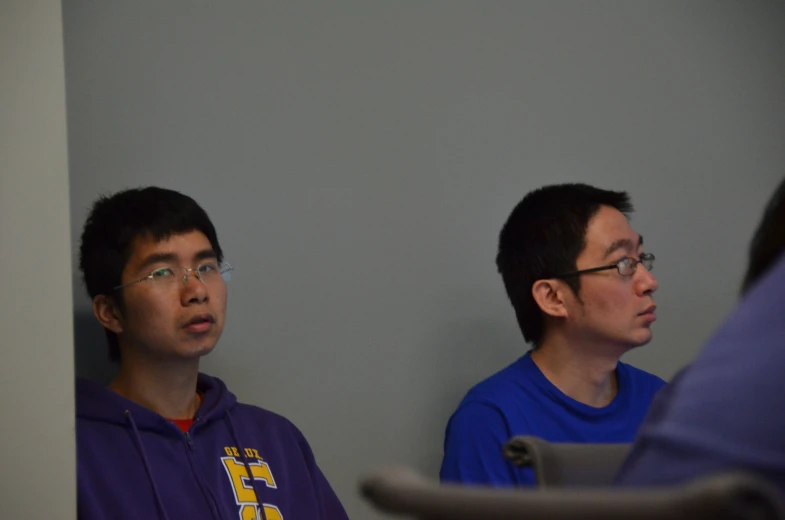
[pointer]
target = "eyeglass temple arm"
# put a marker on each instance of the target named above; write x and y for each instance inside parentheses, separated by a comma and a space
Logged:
(584, 271)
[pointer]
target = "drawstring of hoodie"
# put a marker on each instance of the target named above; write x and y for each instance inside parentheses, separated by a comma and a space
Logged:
(140, 446)
(247, 465)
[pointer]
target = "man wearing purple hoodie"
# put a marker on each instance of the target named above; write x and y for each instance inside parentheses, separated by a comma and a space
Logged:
(164, 441)
(724, 411)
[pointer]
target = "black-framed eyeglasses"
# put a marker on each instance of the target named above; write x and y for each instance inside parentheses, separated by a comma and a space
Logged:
(626, 266)
(207, 273)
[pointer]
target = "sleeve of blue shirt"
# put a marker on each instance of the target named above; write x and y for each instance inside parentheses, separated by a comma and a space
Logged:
(473, 449)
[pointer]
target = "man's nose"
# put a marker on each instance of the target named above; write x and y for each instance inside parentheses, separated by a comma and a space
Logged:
(648, 282)
(194, 289)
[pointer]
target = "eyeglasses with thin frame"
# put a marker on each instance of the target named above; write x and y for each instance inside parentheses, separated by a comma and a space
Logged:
(626, 266)
(206, 273)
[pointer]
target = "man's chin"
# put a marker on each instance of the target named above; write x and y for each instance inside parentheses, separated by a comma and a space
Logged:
(197, 351)
(204, 351)
(643, 338)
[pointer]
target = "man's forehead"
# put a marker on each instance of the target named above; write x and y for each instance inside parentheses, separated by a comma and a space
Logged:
(181, 245)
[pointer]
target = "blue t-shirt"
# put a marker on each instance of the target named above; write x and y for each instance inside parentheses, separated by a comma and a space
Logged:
(726, 411)
(519, 400)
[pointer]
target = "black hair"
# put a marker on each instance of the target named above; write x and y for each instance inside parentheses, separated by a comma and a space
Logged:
(768, 242)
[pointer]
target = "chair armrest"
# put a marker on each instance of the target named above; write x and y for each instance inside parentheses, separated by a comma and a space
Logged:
(402, 491)
(567, 464)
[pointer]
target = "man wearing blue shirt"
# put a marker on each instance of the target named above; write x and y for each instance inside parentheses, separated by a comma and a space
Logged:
(724, 412)
(581, 286)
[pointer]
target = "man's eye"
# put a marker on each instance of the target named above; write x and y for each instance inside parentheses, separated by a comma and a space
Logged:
(208, 268)
(164, 272)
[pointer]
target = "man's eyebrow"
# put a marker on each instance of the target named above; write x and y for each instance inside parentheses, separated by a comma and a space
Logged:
(624, 243)
(171, 258)
(205, 254)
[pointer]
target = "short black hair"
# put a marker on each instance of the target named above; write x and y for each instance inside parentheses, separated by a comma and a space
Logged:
(542, 238)
(768, 242)
(116, 220)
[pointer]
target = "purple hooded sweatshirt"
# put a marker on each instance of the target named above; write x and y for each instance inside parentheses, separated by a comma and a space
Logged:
(134, 464)
(726, 410)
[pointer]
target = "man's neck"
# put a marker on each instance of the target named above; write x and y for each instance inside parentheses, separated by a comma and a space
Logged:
(580, 371)
(168, 389)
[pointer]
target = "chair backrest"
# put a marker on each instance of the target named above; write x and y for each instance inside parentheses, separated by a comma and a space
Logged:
(567, 464)
(402, 492)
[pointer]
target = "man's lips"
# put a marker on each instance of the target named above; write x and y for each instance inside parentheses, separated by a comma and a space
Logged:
(649, 313)
(200, 323)
(649, 310)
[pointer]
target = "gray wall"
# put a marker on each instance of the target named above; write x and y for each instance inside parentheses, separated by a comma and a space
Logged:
(37, 452)
(359, 159)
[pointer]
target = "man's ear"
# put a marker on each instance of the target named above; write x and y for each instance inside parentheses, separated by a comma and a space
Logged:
(549, 295)
(107, 313)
